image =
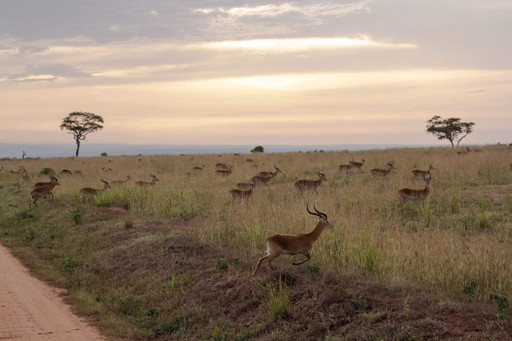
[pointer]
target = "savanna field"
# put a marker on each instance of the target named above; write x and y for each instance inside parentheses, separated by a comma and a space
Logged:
(174, 260)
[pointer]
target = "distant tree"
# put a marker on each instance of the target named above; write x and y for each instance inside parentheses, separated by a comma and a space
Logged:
(258, 149)
(451, 129)
(23, 154)
(104, 154)
(80, 124)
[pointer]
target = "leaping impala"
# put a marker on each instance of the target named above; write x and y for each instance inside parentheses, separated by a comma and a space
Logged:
(357, 165)
(308, 185)
(294, 244)
(146, 183)
(93, 191)
(407, 194)
(417, 173)
(382, 172)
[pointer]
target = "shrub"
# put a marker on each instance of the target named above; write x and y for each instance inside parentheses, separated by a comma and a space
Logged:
(277, 300)
(221, 264)
(258, 149)
(104, 154)
(47, 171)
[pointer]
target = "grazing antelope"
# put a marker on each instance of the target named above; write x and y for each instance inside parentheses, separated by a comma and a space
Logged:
(407, 194)
(381, 172)
(197, 168)
(223, 166)
(43, 191)
(121, 182)
(236, 193)
(416, 173)
(306, 185)
(145, 183)
(294, 244)
(245, 186)
(92, 191)
(345, 168)
(357, 165)
(66, 171)
(224, 172)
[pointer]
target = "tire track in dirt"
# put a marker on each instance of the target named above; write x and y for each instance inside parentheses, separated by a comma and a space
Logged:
(32, 310)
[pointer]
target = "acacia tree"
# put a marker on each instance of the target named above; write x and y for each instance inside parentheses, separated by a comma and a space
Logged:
(451, 129)
(80, 124)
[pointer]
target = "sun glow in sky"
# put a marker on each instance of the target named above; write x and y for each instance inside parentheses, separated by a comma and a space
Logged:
(299, 72)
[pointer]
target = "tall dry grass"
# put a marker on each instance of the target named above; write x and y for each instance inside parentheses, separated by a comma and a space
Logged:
(463, 232)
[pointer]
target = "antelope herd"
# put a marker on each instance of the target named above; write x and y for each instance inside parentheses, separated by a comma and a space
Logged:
(291, 244)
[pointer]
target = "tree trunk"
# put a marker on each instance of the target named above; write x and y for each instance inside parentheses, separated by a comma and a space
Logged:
(77, 147)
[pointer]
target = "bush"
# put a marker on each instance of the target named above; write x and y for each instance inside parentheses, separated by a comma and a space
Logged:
(104, 154)
(47, 171)
(258, 149)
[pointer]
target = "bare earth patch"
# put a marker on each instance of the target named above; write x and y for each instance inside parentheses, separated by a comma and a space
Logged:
(32, 310)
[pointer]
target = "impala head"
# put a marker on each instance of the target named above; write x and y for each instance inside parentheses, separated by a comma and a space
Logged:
(323, 216)
(54, 180)
(363, 160)
(154, 177)
(427, 180)
(391, 165)
(277, 169)
(322, 176)
(128, 177)
(430, 168)
(105, 184)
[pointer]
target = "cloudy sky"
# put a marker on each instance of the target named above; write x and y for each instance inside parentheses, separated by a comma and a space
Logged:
(255, 72)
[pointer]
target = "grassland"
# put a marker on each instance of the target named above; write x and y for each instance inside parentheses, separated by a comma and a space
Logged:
(177, 263)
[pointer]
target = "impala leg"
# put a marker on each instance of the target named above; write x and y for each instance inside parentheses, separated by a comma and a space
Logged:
(308, 256)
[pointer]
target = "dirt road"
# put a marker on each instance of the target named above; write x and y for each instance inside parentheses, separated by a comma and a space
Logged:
(32, 310)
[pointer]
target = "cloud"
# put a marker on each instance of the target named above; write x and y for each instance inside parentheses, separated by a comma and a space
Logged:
(300, 44)
(272, 10)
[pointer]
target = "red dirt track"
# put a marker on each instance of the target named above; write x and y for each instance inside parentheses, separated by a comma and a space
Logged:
(32, 310)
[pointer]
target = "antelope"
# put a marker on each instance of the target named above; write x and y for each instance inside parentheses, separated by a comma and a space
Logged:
(303, 185)
(249, 160)
(345, 168)
(77, 172)
(223, 166)
(197, 168)
(294, 244)
(407, 194)
(245, 186)
(421, 173)
(92, 191)
(262, 178)
(121, 182)
(224, 172)
(66, 171)
(236, 193)
(381, 172)
(357, 165)
(42, 184)
(44, 190)
(145, 183)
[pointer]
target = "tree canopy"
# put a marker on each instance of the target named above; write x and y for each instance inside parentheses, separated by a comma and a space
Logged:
(258, 149)
(80, 124)
(451, 129)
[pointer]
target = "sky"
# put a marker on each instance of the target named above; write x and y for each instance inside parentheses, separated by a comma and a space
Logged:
(255, 72)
